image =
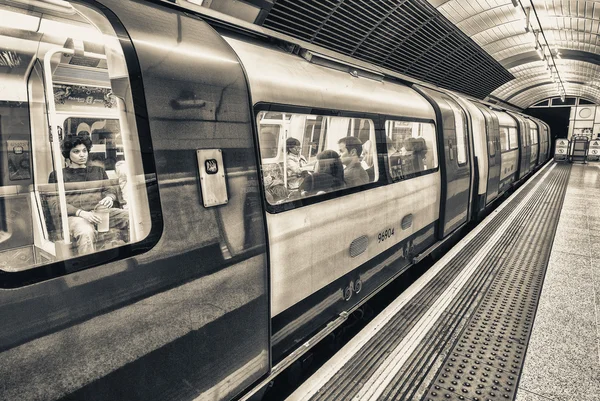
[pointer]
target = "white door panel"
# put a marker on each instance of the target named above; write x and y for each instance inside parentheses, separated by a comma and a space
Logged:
(309, 246)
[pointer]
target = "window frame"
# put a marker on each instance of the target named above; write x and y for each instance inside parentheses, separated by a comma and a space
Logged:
(385, 119)
(139, 111)
(510, 142)
(456, 108)
(534, 133)
(384, 178)
(507, 149)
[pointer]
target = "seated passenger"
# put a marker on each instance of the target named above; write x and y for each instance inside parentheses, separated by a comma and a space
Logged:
(328, 176)
(295, 162)
(418, 147)
(275, 190)
(350, 151)
(81, 205)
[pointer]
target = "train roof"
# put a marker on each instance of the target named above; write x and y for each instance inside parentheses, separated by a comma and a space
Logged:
(280, 77)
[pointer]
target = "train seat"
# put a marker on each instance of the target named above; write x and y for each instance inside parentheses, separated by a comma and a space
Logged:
(48, 194)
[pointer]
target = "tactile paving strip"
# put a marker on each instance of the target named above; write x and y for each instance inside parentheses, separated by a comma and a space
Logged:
(486, 360)
(347, 382)
(424, 364)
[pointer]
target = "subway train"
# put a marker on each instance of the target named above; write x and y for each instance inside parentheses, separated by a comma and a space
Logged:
(269, 188)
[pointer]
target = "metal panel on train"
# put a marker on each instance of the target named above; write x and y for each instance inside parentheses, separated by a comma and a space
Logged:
(186, 317)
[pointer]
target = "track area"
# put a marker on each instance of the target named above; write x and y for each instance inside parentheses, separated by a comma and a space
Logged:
(460, 331)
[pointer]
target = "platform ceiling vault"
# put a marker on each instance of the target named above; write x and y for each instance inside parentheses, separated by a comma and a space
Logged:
(477, 47)
(498, 27)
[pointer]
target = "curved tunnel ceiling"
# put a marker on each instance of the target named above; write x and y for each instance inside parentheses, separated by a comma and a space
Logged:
(571, 26)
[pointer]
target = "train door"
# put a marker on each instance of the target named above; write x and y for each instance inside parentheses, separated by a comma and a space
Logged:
(524, 145)
(455, 162)
(535, 143)
(543, 142)
(492, 131)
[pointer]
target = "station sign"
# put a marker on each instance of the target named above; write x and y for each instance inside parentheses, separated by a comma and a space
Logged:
(561, 149)
(594, 151)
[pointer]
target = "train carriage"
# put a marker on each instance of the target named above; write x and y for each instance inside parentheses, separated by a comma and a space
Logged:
(227, 244)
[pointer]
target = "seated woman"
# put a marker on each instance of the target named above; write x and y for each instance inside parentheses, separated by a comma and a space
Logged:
(81, 204)
(328, 176)
(275, 190)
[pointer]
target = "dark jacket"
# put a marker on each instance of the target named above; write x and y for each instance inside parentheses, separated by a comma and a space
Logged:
(83, 196)
(355, 175)
(316, 182)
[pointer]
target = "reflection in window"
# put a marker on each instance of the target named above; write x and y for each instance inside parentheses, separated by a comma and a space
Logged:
(411, 148)
(514, 140)
(80, 188)
(504, 141)
(491, 148)
(461, 133)
(534, 136)
(305, 155)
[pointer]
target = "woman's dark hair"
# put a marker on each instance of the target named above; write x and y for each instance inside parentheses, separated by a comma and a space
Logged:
(330, 163)
(71, 141)
(290, 143)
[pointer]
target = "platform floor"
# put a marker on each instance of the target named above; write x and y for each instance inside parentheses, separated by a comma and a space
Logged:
(563, 357)
(471, 328)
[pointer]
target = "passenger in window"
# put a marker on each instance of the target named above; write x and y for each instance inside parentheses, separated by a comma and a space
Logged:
(81, 205)
(350, 151)
(328, 176)
(275, 190)
(418, 149)
(295, 162)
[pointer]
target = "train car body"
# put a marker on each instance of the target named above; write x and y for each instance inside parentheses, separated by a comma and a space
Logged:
(192, 285)
(230, 239)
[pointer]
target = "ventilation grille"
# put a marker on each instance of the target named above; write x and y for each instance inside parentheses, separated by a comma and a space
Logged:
(358, 246)
(408, 36)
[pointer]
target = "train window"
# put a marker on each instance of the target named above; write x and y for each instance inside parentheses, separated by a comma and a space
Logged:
(491, 148)
(513, 138)
(411, 148)
(269, 140)
(461, 133)
(308, 155)
(534, 136)
(75, 182)
(504, 141)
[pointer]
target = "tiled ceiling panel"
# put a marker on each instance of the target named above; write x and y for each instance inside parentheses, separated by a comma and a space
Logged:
(407, 36)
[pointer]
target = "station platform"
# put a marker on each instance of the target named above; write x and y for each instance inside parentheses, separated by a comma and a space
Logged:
(511, 312)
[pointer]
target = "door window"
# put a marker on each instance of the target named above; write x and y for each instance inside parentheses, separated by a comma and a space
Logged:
(411, 148)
